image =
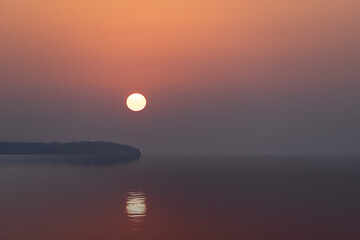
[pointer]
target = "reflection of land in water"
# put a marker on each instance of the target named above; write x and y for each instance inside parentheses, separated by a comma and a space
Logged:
(66, 160)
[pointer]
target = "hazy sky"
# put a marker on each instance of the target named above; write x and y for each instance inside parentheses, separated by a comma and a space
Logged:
(220, 76)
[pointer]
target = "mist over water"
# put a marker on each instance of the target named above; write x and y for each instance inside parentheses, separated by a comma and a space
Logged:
(182, 197)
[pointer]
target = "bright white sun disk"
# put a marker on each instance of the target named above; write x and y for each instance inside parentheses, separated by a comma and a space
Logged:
(136, 102)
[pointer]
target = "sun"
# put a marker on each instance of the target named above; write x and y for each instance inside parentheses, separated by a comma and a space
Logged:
(136, 102)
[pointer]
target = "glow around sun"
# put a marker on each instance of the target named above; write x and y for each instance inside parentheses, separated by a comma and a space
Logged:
(136, 102)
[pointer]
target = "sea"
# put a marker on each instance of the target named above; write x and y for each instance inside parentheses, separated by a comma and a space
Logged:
(180, 197)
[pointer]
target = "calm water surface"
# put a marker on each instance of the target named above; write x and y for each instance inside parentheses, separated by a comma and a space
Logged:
(181, 197)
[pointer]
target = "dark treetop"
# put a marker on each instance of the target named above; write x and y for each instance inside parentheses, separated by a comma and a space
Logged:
(89, 148)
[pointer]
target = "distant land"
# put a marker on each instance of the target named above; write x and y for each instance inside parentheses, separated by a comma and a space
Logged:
(71, 148)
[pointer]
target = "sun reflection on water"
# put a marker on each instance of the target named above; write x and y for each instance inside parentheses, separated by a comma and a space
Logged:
(136, 206)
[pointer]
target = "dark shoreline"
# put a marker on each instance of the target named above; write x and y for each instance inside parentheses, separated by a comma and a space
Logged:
(70, 148)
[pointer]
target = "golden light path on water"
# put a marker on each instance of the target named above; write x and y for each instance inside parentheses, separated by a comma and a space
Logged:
(136, 206)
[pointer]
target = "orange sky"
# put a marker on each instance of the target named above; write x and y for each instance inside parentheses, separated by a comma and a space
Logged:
(74, 56)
